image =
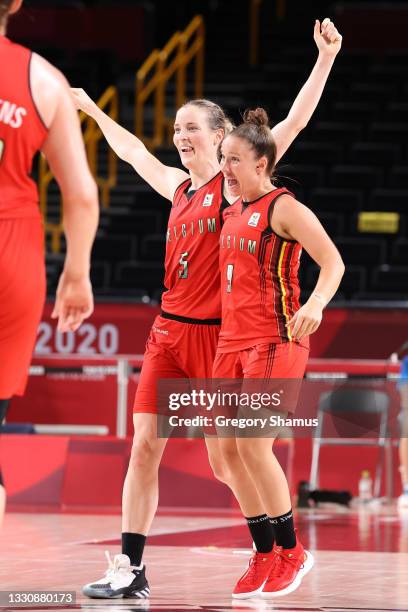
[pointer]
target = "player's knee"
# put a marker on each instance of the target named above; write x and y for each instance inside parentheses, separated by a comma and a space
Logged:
(249, 453)
(231, 464)
(145, 454)
(218, 467)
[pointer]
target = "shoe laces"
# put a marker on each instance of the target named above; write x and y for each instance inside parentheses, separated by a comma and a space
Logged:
(253, 567)
(117, 566)
(282, 560)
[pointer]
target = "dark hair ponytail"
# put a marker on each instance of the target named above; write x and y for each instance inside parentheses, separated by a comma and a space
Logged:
(257, 116)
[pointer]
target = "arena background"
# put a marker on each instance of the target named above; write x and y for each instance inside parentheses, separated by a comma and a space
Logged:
(349, 165)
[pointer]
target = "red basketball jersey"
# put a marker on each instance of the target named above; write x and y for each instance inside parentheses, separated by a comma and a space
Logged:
(192, 276)
(259, 276)
(22, 133)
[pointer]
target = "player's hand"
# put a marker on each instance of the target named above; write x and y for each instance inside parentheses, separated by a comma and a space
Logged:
(73, 302)
(327, 37)
(306, 320)
(82, 101)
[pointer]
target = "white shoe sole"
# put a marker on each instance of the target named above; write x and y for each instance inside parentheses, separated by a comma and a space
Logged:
(103, 594)
(250, 594)
(307, 566)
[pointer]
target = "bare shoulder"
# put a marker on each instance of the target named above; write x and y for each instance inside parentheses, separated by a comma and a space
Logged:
(288, 205)
(48, 86)
(287, 214)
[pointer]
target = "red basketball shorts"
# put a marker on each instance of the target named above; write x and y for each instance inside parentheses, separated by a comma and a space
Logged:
(269, 362)
(22, 296)
(174, 349)
(286, 360)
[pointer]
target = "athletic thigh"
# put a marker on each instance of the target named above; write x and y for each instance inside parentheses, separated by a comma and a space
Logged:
(22, 290)
(160, 361)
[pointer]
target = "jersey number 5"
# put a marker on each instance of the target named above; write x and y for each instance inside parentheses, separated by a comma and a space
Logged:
(183, 272)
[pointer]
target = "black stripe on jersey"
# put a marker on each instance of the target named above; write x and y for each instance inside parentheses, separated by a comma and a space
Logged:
(266, 237)
(180, 319)
(263, 243)
(37, 110)
(270, 360)
(274, 263)
(289, 301)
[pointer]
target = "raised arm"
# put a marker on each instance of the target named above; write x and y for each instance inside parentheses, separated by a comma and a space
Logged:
(65, 152)
(328, 41)
(295, 221)
(163, 179)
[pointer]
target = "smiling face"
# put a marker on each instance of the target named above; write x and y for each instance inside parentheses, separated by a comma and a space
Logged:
(193, 138)
(244, 173)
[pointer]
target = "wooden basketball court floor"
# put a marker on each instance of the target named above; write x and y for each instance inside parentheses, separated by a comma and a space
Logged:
(194, 557)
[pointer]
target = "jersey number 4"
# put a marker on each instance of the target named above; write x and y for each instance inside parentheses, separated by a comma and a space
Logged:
(183, 272)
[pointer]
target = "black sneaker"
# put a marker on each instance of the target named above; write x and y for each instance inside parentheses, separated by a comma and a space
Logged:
(121, 580)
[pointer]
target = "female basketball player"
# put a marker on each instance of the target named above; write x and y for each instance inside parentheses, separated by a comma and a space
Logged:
(264, 332)
(183, 338)
(37, 113)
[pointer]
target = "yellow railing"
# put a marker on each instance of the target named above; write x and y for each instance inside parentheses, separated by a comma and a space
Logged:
(280, 9)
(254, 18)
(162, 65)
(92, 137)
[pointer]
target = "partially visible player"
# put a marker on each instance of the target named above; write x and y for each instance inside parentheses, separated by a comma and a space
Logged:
(183, 338)
(264, 332)
(403, 444)
(37, 114)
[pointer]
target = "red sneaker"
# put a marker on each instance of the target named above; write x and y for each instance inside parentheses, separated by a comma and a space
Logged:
(291, 565)
(252, 581)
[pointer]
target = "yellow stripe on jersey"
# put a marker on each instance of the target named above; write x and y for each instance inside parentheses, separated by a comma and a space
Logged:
(282, 285)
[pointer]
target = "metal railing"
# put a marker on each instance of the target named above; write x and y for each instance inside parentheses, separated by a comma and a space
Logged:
(92, 136)
(83, 367)
(254, 10)
(254, 19)
(161, 66)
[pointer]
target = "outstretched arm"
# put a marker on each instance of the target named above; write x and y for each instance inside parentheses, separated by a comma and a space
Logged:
(128, 147)
(328, 41)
